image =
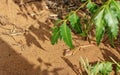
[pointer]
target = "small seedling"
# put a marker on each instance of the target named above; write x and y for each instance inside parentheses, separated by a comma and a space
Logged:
(100, 68)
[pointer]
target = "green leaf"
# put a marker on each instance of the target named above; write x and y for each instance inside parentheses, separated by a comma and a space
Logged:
(115, 5)
(118, 68)
(66, 34)
(112, 22)
(100, 26)
(96, 68)
(106, 68)
(56, 35)
(111, 38)
(106, 17)
(103, 68)
(75, 22)
(92, 7)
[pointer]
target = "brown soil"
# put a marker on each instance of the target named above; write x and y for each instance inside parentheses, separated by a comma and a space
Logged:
(25, 47)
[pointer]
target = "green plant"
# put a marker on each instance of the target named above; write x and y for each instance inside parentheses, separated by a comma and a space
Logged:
(105, 18)
(101, 68)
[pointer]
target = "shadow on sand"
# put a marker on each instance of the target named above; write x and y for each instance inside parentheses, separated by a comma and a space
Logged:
(13, 63)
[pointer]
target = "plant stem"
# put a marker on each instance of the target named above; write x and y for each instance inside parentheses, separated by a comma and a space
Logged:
(81, 6)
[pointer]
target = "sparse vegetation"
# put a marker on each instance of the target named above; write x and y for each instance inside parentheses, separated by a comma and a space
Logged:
(104, 17)
(101, 68)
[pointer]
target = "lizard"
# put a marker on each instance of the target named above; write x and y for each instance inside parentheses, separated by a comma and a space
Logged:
(70, 52)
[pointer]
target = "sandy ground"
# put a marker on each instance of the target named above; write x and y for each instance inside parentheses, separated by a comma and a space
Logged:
(25, 47)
